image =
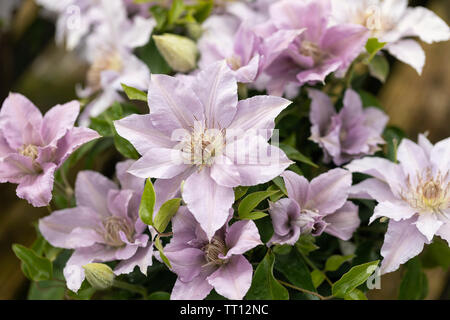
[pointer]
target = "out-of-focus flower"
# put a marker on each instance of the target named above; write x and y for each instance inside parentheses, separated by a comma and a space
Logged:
(204, 263)
(414, 194)
(314, 207)
(352, 133)
(6, 11)
(240, 49)
(199, 132)
(104, 226)
(316, 52)
(33, 147)
(393, 22)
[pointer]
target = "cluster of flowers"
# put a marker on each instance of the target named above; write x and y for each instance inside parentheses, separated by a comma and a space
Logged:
(200, 141)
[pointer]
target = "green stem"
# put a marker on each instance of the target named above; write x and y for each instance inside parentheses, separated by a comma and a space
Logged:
(130, 287)
(305, 291)
(312, 265)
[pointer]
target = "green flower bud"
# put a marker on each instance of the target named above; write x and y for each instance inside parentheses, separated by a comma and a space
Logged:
(99, 275)
(179, 52)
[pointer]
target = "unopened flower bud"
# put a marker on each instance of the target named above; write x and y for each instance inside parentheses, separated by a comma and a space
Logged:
(99, 275)
(179, 52)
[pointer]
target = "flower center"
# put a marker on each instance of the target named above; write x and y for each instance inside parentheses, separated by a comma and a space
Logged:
(30, 151)
(212, 250)
(203, 145)
(234, 62)
(108, 61)
(112, 226)
(311, 49)
(432, 193)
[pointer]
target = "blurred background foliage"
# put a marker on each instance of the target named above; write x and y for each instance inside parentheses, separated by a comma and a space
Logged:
(32, 64)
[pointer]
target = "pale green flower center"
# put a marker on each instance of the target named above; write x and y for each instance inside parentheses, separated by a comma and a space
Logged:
(108, 61)
(213, 249)
(30, 151)
(203, 146)
(312, 50)
(234, 62)
(111, 231)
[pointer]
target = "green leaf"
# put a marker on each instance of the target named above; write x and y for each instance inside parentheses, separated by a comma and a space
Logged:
(147, 203)
(175, 11)
(264, 285)
(334, 262)
(251, 201)
(165, 214)
(355, 294)
(279, 182)
(317, 277)
(306, 244)
(153, 59)
(373, 46)
(203, 10)
(239, 192)
(294, 154)
(255, 215)
(34, 267)
(414, 285)
(353, 278)
(437, 254)
(124, 147)
(159, 295)
(369, 100)
(379, 68)
(160, 14)
(160, 248)
(293, 267)
(134, 94)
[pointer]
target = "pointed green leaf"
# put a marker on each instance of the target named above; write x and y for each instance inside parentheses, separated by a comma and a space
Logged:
(414, 285)
(334, 262)
(160, 248)
(251, 201)
(147, 203)
(317, 277)
(296, 155)
(379, 68)
(353, 278)
(239, 192)
(372, 47)
(356, 294)
(134, 94)
(264, 285)
(253, 215)
(34, 267)
(165, 214)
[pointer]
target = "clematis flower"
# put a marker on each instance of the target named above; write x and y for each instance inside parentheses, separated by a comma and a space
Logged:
(198, 132)
(203, 264)
(314, 207)
(104, 226)
(240, 49)
(316, 52)
(414, 194)
(109, 51)
(393, 22)
(33, 147)
(349, 134)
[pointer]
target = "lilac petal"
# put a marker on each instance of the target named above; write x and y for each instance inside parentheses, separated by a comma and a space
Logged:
(396, 210)
(91, 190)
(225, 173)
(284, 213)
(142, 259)
(161, 163)
(246, 42)
(37, 188)
(440, 156)
(319, 73)
(171, 111)
(444, 232)
(74, 139)
(71, 228)
(117, 202)
(125, 252)
(412, 158)
(275, 44)
(352, 111)
(256, 160)
(18, 115)
(74, 272)
(428, 224)
(344, 222)
(196, 289)
(143, 135)
(345, 42)
(372, 189)
(375, 119)
(184, 227)
(248, 73)
(322, 110)
(402, 242)
(166, 189)
(128, 181)
(426, 145)
(216, 88)
(186, 263)
(328, 192)
(297, 187)
(15, 167)
(5, 149)
(58, 120)
(268, 107)
(410, 52)
(241, 237)
(233, 279)
(211, 206)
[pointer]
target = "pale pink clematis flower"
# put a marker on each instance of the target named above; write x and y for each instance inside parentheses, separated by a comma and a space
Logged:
(104, 226)
(393, 22)
(414, 194)
(33, 147)
(198, 132)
